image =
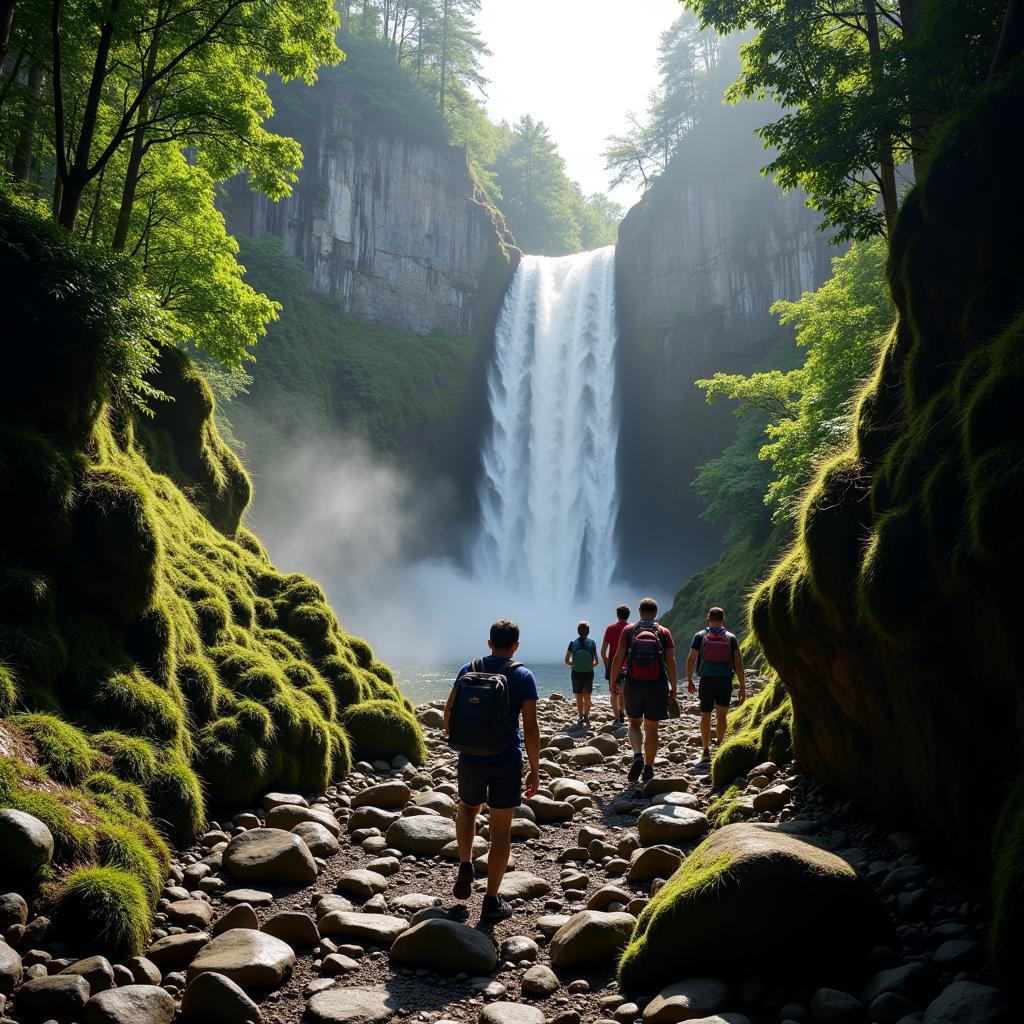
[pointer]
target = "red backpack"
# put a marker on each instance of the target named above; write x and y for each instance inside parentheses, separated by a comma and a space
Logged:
(716, 655)
(645, 656)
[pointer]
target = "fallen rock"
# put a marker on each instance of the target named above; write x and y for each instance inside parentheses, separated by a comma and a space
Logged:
(423, 834)
(687, 1000)
(241, 915)
(319, 840)
(249, 958)
(372, 929)
(540, 981)
(384, 794)
(27, 842)
(510, 1013)
(591, 936)
(751, 893)
(130, 1004)
(269, 855)
(352, 1006)
(665, 823)
(448, 945)
(212, 998)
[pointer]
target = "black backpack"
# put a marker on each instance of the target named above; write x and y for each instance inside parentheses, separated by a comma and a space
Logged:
(481, 719)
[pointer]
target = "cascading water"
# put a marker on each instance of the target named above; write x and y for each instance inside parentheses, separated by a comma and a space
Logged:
(547, 493)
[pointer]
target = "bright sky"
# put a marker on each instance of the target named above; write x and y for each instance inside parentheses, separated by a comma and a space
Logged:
(577, 65)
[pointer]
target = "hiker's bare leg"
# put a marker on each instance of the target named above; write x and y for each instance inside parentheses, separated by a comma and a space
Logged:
(650, 741)
(636, 734)
(721, 725)
(500, 820)
(465, 829)
(705, 729)
(579, 704)
(586, 703)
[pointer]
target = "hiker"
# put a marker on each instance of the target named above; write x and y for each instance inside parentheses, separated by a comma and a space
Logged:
(647, 656)
(481, 719)
(715, 653)
(609, 646)
(581, 657)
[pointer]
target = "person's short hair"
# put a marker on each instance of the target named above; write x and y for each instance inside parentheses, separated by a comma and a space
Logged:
(648, 608)
(622, 611)
(583, 628)
(504, 633)
(716, 615)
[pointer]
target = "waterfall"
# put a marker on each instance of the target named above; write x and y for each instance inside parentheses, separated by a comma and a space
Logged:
(548, 489)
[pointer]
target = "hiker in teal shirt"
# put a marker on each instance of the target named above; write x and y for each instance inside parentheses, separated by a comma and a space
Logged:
(582, 659)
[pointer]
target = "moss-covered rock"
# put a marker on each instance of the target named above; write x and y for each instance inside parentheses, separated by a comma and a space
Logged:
(761, 730)
(893, 621)
(381, 729)
(751, 893)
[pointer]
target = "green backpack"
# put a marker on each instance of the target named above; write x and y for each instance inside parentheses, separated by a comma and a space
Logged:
(582, 655)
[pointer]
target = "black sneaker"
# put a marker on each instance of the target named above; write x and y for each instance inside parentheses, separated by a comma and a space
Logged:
(463, 887)
(496, 908)
(648, 773)
(635, 768)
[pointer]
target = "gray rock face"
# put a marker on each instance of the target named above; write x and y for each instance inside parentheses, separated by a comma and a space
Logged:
(448, 945)
(395, 229)
(591, 936)
(269, 855)
(687, 1000)
(663, 823)
(427, 834)
(352, 1006)
(130, 1004)
(27, 843)
(250, 959)
(213, 999)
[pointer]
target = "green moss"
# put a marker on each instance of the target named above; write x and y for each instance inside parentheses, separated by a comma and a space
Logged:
(199, 685)
(131, 703)
(723, 809)
(8, 691)
(380, 729)
(760, 731)
(176, 800)
(138, 851)
(63, 749)
(107, 907)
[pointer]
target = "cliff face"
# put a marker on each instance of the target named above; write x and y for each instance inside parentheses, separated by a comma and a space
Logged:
(699, 262)
(395, 229)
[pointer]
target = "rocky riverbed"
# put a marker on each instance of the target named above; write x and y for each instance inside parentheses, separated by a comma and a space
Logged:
(338, 908)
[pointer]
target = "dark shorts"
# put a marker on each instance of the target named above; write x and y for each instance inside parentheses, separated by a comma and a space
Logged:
(582, 682)
(714, 693)
(608, 671)
(646, 700)
(497, 785)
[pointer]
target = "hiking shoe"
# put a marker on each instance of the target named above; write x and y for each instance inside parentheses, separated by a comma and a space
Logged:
(635, 768)
(648, 773)
(463, 887)
(496, 908)
(706, 754)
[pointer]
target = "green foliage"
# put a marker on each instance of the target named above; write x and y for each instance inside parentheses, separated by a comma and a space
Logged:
(63, 749)
(762, 730)
(723, 809)
(380, 729)
(107, 907)
(131, 757)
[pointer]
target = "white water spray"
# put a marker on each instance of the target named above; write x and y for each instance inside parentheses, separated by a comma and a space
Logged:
(548, 489)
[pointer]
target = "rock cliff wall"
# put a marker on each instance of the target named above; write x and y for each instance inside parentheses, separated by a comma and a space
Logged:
(699, 262)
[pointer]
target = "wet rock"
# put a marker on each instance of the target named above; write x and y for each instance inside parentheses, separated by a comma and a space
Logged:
(369, 929)
(540, 981)
(132, 1004)
(966, 1002)
(212, 998)
(510, 1013)
(299, 930)
(241, 915)
(318, 839)
(421, 835)
(591, 936)
(175, 952)
(352, 1006)
(249, 958)
(63, 996)
(269, 855)
(384, 794)
(448, 945)
(687, 1000)
(361, 882)
(663, 823)
(96, 970)
(27, 843)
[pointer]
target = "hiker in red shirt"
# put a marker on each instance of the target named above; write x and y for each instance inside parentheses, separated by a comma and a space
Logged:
(715, 653)
(647, 654)
(608, 649)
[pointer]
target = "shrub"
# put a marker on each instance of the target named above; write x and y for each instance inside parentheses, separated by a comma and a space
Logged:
(116, 793)
(8, 691)
(132, 703)
(62, 748)
(176, 800)
(106, 907)
(381, 729)
(131, 757)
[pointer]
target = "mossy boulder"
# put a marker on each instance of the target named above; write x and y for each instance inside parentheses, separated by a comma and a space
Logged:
(382, 729)
(753, 894)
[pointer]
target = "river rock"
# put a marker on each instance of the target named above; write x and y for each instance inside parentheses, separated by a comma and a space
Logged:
(540, 981)
(427, 834)
(687, 1000)
(319, 840)
(653, 862)
(254, 897)
(269, 855)
(371, 817)
(510, 1013)
(753, 894)
(521, 885)
(10, 969)
(96, 970)
(663, 823)
(833, 1006)
(27, 843)
(673, 799)
(299, 930)
(143, 970)
(241, 915)
(548, 810)
(190, 912)
(13, 910)
(772, 799)
(287, 816)
(384, 794)
(272, 800)
(607, 895)
(371, 929)
(249, 958)
(517, 948)
(352, 1006)
(585, 756)
(212, 998)
(606, 744)
(62, 996)
(434, 801)
(914, 981)
(966, 1002)
(591, 936)
(523, 828)
(176, 952)
(361, 882)
(665, 784)
(431, 718)
(130, 1004)
(562, 789)
(448, 945)
(548, 924)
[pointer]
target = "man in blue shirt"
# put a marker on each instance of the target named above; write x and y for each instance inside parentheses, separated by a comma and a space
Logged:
(497, 779)
(715, 653)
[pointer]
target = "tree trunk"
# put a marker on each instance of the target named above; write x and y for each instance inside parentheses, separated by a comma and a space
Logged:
(131, 183)
(1011, 39)
(886, 166)
(21, 166)
(444, 53)
(6, 21)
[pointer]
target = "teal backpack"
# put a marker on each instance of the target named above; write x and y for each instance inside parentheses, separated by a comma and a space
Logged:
(583, 654)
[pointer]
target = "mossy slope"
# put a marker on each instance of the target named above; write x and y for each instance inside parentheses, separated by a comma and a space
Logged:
(893, 621)
(149, 652)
